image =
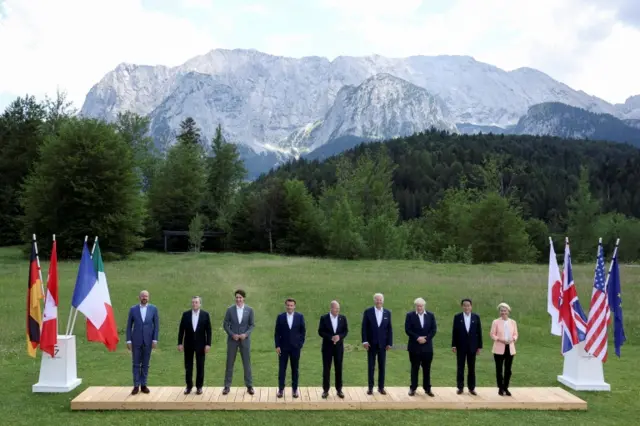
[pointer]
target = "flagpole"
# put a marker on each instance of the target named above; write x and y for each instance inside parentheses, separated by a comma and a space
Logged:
(57, 322)
(615, 253)
(35, 243)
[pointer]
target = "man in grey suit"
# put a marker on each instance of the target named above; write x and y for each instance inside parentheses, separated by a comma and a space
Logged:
(238, 324)
(143, 326)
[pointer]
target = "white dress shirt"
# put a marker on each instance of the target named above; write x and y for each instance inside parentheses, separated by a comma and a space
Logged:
(240, 312)
(421, 316)
(507, 331)
(194, 318)
(379, 313)
(334, 322)
(290, 320)
(467, 320)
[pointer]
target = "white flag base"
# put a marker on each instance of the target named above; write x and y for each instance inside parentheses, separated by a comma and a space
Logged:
(583, 372)
(58, 374)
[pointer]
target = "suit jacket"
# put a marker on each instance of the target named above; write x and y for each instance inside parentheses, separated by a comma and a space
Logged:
(231, 325)
(378, 337)
(199, 338)
(463, 340)
(414, 330)
(497, 332)
(325, 330)
(287, 339)
(141, 332)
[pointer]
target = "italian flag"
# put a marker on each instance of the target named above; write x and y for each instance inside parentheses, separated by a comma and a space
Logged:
(49, 335)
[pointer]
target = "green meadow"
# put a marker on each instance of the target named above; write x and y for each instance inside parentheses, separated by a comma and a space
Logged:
(268, 280)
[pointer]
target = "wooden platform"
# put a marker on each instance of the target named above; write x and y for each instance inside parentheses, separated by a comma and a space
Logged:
(355, 398)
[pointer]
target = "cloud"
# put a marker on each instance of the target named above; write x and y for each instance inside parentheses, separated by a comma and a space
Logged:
(564, 38)
(71, 44)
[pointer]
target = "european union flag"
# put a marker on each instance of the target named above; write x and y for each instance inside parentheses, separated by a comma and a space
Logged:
(615, 303)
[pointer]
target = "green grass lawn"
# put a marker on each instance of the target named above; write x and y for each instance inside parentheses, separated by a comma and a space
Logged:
(173, 279)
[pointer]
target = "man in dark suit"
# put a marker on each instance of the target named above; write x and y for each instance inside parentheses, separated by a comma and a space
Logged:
(194, 337)
(143, 326)
(466, 343)
(421, 327)
(377, 339)
(238, 323)
(289, 337)
(333, 329)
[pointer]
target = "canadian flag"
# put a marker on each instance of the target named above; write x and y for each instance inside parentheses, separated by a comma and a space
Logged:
(49, 337)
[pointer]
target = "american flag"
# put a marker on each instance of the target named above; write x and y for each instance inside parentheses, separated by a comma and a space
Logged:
(599, 313)
(572, 317)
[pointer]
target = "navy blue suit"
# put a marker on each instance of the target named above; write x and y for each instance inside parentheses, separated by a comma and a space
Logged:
(141, 335)
(332, 352)
(378, 337)
(290, 342)
(467, 344)
(420, 354)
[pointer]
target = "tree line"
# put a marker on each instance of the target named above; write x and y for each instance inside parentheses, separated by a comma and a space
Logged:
(434, 195)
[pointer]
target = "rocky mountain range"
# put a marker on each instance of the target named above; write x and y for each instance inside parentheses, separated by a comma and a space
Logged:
(276, 107)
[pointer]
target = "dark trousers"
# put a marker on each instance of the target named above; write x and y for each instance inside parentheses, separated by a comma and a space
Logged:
(505, 360)
(336, 355)
(292, 355)
(141, 357)
(421, 359)
(469, 357)
(381, 354)
(189, 352)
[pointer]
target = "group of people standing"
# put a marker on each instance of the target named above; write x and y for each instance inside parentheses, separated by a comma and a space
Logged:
(195, 335)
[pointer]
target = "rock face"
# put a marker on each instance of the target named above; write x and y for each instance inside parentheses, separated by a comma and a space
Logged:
(556, 119)
(278, 107)
(382, 107)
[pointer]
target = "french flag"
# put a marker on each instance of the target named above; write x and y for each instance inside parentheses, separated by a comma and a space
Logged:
(91, 298)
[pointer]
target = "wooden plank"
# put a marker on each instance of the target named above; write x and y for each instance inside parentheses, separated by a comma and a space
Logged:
(172, 398)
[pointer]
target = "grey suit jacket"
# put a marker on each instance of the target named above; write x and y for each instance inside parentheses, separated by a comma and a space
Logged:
(232, 326)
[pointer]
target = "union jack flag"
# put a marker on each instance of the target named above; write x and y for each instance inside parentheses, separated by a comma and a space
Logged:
(599, 313)
(572, 317)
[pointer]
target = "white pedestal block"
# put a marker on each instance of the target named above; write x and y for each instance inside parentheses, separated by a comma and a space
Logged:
(583, 372)
(59, 373)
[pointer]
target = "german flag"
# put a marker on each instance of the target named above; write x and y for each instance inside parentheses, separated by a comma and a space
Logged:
(34, 295)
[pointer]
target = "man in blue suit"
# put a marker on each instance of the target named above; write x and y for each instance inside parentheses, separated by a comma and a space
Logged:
(143, 326)
(289, 338)
(377, 339)
(421, 327)
(466, 343)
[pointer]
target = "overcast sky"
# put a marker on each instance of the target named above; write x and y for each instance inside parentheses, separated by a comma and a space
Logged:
(591, 45)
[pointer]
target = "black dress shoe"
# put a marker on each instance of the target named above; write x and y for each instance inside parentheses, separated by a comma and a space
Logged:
(250, 390)
(340, 394)
(187, 391)
(280, 393)
(144, 389)
(500, 392)
(199, 391)
(225, 390)
(412, 392)
(295, 393)
(472, 392)
(428, 392)
(325, 394)
(370, 391)
(506, 392)
(382, 391)
(135, 390)
(459, 391)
